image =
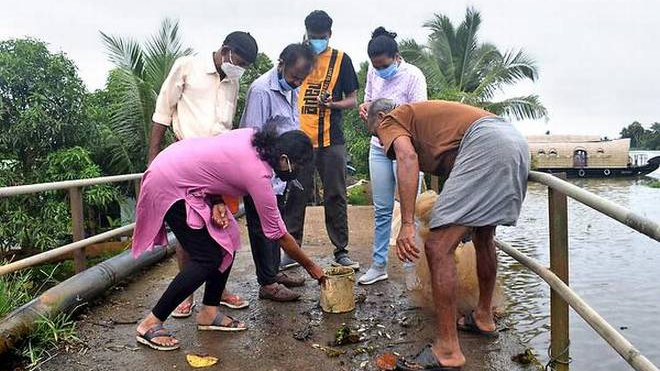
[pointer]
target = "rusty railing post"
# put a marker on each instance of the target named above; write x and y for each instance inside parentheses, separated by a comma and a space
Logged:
(136, 184)
(77, 227)
(559, 330)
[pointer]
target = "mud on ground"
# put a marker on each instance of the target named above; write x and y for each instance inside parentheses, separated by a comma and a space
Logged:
(388, 318)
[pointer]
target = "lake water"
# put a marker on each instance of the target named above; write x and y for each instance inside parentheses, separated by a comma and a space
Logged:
(615, 269)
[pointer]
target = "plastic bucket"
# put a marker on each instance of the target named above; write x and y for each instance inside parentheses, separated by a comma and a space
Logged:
(337, 295)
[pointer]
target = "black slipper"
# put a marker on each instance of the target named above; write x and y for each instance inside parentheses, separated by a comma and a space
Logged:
(154, 332)
(470, 325)
(424, 361)
(233, 326)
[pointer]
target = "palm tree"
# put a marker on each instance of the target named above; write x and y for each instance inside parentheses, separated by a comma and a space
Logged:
(460, 68)
(140, 69)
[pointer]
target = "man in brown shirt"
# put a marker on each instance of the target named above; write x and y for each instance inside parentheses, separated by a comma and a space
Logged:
(485, 162)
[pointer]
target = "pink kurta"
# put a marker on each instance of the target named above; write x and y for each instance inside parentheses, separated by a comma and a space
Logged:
(196, 169)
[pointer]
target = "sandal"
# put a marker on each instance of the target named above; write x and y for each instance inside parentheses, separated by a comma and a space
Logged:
(424, 361)
(470, 325)
(216, 325)
(181, 314)
(154, 332)
(234, 301)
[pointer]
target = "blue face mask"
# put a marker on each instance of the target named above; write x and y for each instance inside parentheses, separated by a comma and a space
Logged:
(285, 85)
(318, 45)
(389, 72)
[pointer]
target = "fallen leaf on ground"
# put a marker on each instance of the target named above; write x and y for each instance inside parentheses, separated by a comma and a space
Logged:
(525, 358)
(386, 361)
(201, 360)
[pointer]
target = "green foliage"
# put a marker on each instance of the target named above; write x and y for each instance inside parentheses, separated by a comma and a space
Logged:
(460, 68)
(41, 104)
(355, 131)
(359, 195)
(15, 290)
(640, 138)
(652, 183)
(47, 335)
(43, 136)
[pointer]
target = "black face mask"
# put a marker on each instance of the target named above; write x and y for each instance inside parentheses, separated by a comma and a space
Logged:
(286, 175)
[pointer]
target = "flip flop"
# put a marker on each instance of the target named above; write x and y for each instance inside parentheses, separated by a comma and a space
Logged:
(424, 361)
(470, 325)
(154, 332)
(178, 314)
(234, 301)
(218, 326)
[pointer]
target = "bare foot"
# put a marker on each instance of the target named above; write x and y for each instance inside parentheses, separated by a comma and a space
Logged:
(448, 359)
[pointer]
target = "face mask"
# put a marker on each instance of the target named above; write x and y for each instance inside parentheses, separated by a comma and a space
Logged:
(318, 45)
(389, 72)
(287, 175)
(232, 71)
(285, 85)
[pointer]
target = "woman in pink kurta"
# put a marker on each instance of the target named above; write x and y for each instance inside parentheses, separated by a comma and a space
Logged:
(182, 187)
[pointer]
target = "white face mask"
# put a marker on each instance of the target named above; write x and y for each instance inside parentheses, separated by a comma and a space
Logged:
(232, 71)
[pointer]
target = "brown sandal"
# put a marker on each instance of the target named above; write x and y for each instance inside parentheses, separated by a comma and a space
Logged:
(280, 293)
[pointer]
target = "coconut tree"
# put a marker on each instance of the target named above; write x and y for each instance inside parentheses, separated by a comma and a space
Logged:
(140, 69)
(458, 67)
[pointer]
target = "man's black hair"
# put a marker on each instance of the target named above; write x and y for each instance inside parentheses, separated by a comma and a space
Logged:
(293, 52)
(243, 44)
(382, 42)
(318, 21)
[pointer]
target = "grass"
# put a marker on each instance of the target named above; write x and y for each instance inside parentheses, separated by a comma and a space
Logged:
(15, 290)
(359, 195)
(48, 334)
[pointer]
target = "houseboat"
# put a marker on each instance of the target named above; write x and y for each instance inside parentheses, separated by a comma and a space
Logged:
(587, 156)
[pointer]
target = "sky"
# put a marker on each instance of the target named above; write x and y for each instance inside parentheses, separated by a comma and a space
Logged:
(598, 60)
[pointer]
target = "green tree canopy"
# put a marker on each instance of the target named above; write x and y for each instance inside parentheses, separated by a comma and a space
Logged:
(44, 136)
(41, 104)
(641, 138)
(459, 67)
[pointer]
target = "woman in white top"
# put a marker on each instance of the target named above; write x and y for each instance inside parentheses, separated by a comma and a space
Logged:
(389, 76)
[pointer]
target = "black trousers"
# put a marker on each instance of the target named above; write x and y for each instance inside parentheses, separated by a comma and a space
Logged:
(330, 162)
(266, 253)
(203, 267)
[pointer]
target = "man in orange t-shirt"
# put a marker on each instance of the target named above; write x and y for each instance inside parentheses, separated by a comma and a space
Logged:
(485, 162)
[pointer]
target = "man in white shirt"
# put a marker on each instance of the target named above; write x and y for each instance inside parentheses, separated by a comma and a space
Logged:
(198, 99)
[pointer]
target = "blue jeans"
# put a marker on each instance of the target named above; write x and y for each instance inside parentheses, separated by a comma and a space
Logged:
(382, 171)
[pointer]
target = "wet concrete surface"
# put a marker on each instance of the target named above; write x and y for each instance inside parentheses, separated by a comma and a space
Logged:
(389, 319)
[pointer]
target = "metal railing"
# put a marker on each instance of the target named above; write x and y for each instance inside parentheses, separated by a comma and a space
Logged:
(74, 188)
(561, 295)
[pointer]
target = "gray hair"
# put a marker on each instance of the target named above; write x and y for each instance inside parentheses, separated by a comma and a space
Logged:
(384, 105)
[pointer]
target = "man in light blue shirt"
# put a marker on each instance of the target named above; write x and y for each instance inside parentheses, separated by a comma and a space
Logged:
(272, 102)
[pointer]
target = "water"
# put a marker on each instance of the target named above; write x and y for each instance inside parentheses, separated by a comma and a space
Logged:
(615, 269)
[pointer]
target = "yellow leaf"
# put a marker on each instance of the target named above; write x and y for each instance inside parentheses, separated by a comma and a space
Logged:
(201, 360)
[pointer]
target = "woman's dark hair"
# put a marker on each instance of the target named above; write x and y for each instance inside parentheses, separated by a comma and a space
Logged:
(293, 52)
(270, 146)
(318, 21)
(382, 42)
